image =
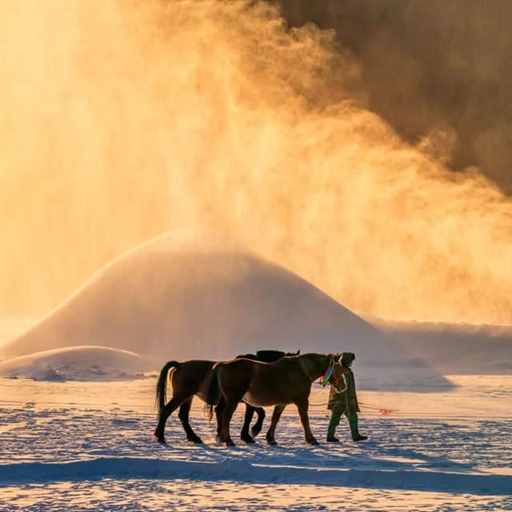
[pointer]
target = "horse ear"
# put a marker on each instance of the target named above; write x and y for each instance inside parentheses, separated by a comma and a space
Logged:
(298, 352)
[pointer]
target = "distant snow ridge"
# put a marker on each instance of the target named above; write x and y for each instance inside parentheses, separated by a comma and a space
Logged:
(183, 299)
(84, 363)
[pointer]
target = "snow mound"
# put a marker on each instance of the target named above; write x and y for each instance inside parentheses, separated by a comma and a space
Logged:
(84, 363)
(175, 299)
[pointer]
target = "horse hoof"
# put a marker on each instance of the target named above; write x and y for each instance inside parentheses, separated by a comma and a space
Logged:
(230, 443)
(312, 441)
(161, 440)
(272, 442)
(255, 432)
(248, 440)
(195, 440)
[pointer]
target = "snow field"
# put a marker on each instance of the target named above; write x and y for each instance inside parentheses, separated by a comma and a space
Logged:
(96, 452)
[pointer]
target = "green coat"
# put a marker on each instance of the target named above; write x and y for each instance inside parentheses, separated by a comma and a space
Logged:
(347, 400)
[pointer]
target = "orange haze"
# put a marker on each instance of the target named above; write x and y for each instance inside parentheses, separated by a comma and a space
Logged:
(123, 119)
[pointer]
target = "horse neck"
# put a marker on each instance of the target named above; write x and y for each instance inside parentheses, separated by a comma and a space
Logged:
(314, 365)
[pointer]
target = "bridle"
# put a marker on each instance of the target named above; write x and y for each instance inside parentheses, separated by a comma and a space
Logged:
(329, 372)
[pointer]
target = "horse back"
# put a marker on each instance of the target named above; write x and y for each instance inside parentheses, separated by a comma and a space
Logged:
(288, 368)
(190, 375)
(236, 375)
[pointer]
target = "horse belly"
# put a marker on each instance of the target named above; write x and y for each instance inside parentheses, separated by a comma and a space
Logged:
(260, 399)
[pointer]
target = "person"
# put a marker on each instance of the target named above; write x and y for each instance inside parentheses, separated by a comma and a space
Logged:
(343, 399)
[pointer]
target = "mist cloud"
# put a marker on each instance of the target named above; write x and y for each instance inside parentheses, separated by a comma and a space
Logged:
(431, 67)
(129, 119)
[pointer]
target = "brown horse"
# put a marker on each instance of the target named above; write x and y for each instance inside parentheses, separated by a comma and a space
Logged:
(189, 379)
(264, 356)
(285, 381)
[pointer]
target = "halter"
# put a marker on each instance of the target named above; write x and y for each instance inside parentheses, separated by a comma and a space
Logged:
(328, 374)
(330, 370)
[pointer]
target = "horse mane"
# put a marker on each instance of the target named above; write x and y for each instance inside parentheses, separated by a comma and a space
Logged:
(313, 364)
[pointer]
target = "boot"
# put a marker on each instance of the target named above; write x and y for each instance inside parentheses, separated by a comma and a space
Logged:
(356, 436)
(333, 423)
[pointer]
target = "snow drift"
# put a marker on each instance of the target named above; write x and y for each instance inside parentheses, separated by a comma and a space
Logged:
(176, 299)
(76, 363)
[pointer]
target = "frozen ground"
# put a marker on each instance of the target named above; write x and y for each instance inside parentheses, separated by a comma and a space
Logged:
(88, 446)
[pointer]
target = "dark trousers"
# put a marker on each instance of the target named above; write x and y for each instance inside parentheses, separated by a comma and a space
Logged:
(337, 411)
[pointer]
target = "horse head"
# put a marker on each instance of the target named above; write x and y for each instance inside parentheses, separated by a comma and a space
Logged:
(328, 372)
(316, 365)
(337, 365)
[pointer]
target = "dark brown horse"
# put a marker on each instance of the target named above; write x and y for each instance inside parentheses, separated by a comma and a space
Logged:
(189, 379)
(283, 382)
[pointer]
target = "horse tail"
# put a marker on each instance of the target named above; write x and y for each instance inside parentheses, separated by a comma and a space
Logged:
(213, 389)
(161, 385)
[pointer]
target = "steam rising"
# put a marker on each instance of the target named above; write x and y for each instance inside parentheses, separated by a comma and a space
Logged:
(121, 120)
(447, 60)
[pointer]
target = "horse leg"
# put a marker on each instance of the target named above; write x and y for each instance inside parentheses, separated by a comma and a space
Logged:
(244, 435)
(278, 410)
(304, 418)
(184, 418)
(219, 410)
(229, 410)
(169, 408)
(256, 429)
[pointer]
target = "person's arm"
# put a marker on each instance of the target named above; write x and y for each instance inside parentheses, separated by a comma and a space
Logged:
(355, 393)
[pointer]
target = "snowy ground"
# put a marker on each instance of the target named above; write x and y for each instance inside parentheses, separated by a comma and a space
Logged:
(88, 446)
